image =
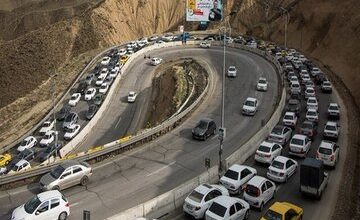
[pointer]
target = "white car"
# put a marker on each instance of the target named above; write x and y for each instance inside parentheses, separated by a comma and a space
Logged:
(104, 72)
(43, 206)
(280, 134)
(295, 87)
(20, 166)
(75, 98)
(168, 37)
(72, 131)
(333, 111)
(328, 152)
(205, 44)
(290, 119)
(200, 199)
(114, 72)
(90, 93)
(155, 61)
(236, 177)
(153, 38)
(267, 151)
(309, 92)
(312, 115)
(47, 126)
(131, 44)
(262, 84)
(294, 79)
(105, 61)
(299, 145)
(331, 130)
(104, 88)
(259, 191)
(228, 208)
(250, 106)
(48, 138)
(132, 96)
(122, 52)
(326, 86)
(281, 169)
(231, 71)
(100, 80)
(312, 103)
(27, 143)
(305, 79)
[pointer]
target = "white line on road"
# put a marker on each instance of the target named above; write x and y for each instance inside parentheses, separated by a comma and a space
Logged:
(162, 168)
(117, 123)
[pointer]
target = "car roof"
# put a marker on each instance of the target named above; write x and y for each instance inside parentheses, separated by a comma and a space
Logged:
(238, 168)
(279, 207)
(256, 181)
(331, 123)
(289, 113)
(204, 188)
(69, 163)
(28, 138)
(281, 159)
(21, 162)
(48, 195)
(326, 144)
(267, 144)
(299, 136)
(226, 201)
(250, 99)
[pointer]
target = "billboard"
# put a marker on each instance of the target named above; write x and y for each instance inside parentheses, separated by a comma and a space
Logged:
(204, 10)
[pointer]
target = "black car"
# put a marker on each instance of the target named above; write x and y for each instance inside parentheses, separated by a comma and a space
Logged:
(82, 88)
(309, 128)
(293, 106)
(48, 152)
(91, 111)
(320, 78)
(64, 111)
(70, 119)
(98, 99)
(26, 154)
(204, 129)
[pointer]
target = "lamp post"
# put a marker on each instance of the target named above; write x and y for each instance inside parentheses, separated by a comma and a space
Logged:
(287, 18)
(53, 90)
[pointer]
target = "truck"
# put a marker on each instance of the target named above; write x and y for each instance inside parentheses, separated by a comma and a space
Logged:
(313, 179)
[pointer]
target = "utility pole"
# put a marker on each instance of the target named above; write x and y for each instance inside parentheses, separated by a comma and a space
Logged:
(287, 18)
(53, 91)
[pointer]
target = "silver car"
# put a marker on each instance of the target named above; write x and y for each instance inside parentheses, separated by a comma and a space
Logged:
(65, 175)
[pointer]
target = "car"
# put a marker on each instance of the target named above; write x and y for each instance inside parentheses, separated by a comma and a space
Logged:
(104, 72)
(309, 92)
(155, 61)
(71, 119)
(309, 128)
(132, 96)
(26, 154)
(105, 61)
(315, 71)
(328, 152)
(204, 129)
(5, 159)
(290, 76)
(262, 84)
(72, 131)
(320, 78)
(326, 86)
(122, 52)
(20, 166)
(65, 175)
(305, 79)
(47, 126)
(294, 106)
(168, 37)
(250, 106)
(91, 111)
(267, 151)
(283, 211)
(100, 80)
(259, 191)
(294, 79)
(200, 199)
(50, 151)
(236, 177)
(290, 119)
(295, 87)
(312, 115)
(309, 84)
(90, 93)
(231, 71)
(89, 79)
(281, 169)
(114, 72)
(109, 80)
(64, 111)
(46, 205)
(48, 138)
(75, 98)
(153, 38)
(312, 103)
(205, 44)
(82, 88)
(299, 145)
(104, 88)
(27, 143)
(124, 58)
(129, 52)
(98, 99)
(331, 130)
(280, 134)
(227, 208)
(333, 111)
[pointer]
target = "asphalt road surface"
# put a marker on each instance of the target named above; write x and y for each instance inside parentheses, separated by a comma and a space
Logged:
(156, 167)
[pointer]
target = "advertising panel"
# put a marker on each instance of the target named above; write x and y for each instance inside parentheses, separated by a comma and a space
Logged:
(204, 10)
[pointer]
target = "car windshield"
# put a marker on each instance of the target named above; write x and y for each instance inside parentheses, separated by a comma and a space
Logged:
(70, 130)
(330, 128)
(252, 190)
(292, 105)
(69, 118)
(311, 101)
(231, 68)
(311, 113)
(250, 103)
(24, 153)
(32, 204)
(218, 209)
(277, 164)
(271, 215)
(24, 142)
(202, 125)
(306, 126)
(131, 94)
(333, 107)
(326, 151)
(47, 136)
(73, 97)
(15, 168)
(288, 117)
(297, 141)
(295, 85)
(277, 130)
(196, 196)
(57, 171)
(232, 174)
(261, 81)
(89, 92)
(263, 148)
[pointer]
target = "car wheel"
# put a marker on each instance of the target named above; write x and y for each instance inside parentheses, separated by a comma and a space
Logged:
(63, 216)
(262, 206)
(56, 188)
(246, 214)
(84, 181)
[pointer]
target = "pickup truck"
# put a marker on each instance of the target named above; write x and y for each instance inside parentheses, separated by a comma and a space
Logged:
(313, 179)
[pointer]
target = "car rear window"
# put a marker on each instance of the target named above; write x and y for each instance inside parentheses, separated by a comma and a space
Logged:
(297, 141)
(277, 130)
(271, 215)
(277, 164)
(307, 126)
(333, 108)
(263, 148)
(330, 128)
(232, 174)
(325, 151)
(288, 117)
(252, 190)
(196, 196)
(250, 103)
(217, 209)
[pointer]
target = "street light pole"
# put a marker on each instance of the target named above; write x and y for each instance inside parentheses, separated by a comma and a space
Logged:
(53, 90)
(287, 18)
